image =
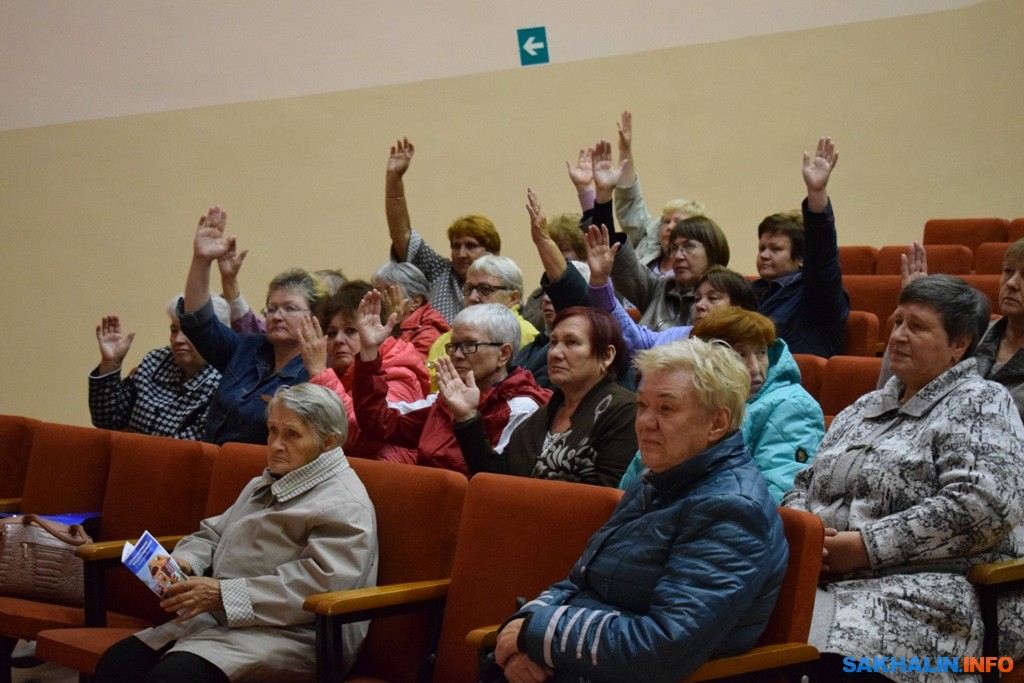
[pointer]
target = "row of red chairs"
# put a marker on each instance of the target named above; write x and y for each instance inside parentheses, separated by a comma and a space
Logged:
(951, 259)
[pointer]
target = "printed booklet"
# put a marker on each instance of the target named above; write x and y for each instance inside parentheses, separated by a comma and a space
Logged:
(154, 566)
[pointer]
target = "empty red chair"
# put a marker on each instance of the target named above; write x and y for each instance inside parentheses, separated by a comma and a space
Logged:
(812, 370)
(15, 443)
(951, 259)
(857, 260)
(970, 232)
(987, 285)
(846, 379)
(875, 294)
(861, 334)
(988, 259)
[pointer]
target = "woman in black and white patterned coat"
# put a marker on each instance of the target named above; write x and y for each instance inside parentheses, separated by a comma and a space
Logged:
(916, 483)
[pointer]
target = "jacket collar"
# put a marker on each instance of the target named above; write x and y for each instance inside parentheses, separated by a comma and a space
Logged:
(304, 478)
(888, 397)
(671, 483)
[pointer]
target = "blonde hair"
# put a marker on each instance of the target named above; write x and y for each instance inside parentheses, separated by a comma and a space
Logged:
(717, 376)
(688, 206)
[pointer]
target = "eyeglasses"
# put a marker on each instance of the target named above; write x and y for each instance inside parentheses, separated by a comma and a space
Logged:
(287, 311)
(687, 248)
(483, 289)
(467, 348)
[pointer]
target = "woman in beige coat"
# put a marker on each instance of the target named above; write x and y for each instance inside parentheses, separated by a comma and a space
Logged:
(305, 526)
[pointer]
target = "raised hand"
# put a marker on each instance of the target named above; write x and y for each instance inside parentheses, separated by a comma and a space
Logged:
(210, 243)
(914, 265)
(401, 157)
(231, 262)
(625, 135)
(816, 171)
(395, 302)
(538, 221)
(600, 255)
(312, 346)
(462, 398)
(606, 172)
(113, 345)
(582, 175)
(371, 332)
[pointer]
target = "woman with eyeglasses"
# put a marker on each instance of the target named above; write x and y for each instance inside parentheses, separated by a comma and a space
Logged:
(253, 366)
(479, 387)
(585, 433)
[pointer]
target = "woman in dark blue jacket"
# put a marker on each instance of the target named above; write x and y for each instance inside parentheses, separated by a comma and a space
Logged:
(691, 562)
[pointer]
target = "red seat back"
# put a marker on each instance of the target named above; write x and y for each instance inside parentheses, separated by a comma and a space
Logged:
(67, 469)
(988, 259)
(970, 232)
(846, 379)
(857, 260)
(812, 370)
(951, 259)
(790, 621)
(861, 333)
(15, 446)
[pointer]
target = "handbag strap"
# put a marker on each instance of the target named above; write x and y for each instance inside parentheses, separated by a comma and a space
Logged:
(77, 535)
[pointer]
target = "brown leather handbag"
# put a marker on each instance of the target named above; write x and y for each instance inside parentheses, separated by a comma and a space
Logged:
(38, 561)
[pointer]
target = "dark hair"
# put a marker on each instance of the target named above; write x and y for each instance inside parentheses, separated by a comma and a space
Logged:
(602, 332)
(704, 230)
(345, 301)
(964, 310)
(735, 325)
(740, 292)
(789, 224)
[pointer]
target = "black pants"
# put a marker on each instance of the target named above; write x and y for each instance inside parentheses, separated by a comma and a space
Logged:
(830, 670)
(132, 661)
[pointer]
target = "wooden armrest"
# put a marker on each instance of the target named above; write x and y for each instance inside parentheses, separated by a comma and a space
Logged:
(362, 599)
(758, 659)
(109, 550)
(10, 504)
(995, 573)
(483, 638)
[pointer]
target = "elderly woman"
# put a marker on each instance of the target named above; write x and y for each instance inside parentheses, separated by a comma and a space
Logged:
(917, 482)
(330, 361)
(305, 526)
(470, 238)
(167, 395)
(484, 339)
(254, 365)
(637, 603)
(584, 434)
(407, 294)
(783, 424)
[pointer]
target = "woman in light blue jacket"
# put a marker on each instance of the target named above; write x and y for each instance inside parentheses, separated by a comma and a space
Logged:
(783, 424)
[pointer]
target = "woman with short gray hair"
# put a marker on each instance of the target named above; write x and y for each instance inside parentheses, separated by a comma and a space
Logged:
(476, 379)
(917, 482)
(407, 294)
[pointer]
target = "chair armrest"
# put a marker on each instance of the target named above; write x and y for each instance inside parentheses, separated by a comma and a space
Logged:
(111, 550)
(761, 658)
(338, 603)
(10, 504)
(995, 573)
(483, 638)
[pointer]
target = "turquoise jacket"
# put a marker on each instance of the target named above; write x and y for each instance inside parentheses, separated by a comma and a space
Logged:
(782, 427)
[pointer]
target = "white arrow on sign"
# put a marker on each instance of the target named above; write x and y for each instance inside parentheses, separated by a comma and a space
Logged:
(532, 46)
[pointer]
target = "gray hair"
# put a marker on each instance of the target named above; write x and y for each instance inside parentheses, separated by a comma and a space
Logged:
(301, 281)
(964, 310)
(716, 375)
(332, 279)
(501, 267)
(317, 406)
(405, 275)
(221, 308)
(499, 321)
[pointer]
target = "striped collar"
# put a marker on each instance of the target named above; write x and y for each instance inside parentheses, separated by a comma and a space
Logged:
(300, 480)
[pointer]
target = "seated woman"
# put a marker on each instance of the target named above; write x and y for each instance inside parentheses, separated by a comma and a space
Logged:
(253, 365)
(470, 237)
(783, 424)
(305, 526)
(407, 294)
(691, 561)
(330, 362)
(585, 433)
(564, 230)
(483, 341)
(167, 395)
(917, 482)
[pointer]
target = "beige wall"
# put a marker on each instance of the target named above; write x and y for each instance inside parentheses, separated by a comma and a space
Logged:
(97, 216)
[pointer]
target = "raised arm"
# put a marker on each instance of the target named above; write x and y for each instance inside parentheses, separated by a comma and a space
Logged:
(395, 207)
(626, 149)
(607, 173)
(113, 345)
(550, 255)
(817, 171)
(209, 245)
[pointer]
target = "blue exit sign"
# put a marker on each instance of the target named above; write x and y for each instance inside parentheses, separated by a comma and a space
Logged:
(533, 46)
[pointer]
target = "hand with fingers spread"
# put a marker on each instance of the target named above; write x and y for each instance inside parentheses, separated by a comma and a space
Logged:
(396, 209)
(816, 172)
(625, 126)
(210, 242)
(606, 172)
(372, 333)
(600, 255)
(913, 265)
(401, 157)
(193, 597)
(462, 398)
(113, 345)
(395, 302)
(538, 221)
(229, 265)
(581, 175)
(312, 346)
